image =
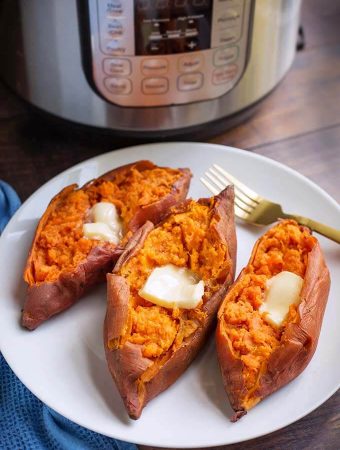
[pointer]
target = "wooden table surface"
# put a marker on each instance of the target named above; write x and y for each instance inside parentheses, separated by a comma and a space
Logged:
(299, 125)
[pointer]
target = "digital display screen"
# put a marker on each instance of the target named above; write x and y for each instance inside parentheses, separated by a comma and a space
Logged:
(144, 5)
(172, 26)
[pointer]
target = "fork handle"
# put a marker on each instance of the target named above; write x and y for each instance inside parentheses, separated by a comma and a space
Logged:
(325, 230)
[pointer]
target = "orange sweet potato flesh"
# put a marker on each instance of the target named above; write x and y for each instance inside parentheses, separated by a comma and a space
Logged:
(62, 264)
(255, 357)
(148, 346)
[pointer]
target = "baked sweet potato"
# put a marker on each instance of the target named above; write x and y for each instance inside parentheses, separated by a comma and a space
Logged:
(149, 346)
(258, 357)
(63, 264)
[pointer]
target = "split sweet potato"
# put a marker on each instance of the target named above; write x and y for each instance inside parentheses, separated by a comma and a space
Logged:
(256, 357)
(63, 264)
(149, 346)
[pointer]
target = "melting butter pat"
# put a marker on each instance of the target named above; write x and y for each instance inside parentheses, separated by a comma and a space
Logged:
(282, 290)
(100, 231)
(172, 286)
(105, 223)
(104, 212)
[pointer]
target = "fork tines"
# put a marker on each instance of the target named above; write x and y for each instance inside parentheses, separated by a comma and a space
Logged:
(245, 199)
(255, 209)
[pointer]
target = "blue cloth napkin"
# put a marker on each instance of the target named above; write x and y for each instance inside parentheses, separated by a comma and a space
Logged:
(9, 203)
(25, 422)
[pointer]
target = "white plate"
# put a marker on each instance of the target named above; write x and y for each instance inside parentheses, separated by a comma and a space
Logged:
(63, 362)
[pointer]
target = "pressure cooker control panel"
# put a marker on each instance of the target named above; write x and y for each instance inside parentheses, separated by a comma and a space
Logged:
(165, 52)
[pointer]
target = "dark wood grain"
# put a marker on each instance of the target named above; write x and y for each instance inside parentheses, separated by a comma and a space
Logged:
(320, 21)
(306, 100)
(316, 155)
(298, 125)
(308, 97)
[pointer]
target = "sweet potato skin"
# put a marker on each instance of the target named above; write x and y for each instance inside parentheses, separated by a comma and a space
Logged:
(298, 342)
(49, 298)
(126, 363)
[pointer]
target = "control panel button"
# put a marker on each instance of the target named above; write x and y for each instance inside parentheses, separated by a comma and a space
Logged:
(115, 37)
(157, 66)
(114, 47)
(118, 86)
(191, 44)
(225, 74)
(156, 47)
(151, 86)
(190, 81)
(114, 28)
(229, 18)
(190, 63)
(114, 8)
(229, 37)
(117, 66)
(224, 56)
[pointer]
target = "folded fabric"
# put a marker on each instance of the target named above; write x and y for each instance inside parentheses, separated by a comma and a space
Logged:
(9, 203)
(26, 422)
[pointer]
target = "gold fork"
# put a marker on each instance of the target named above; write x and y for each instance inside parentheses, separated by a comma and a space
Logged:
(255, 209)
